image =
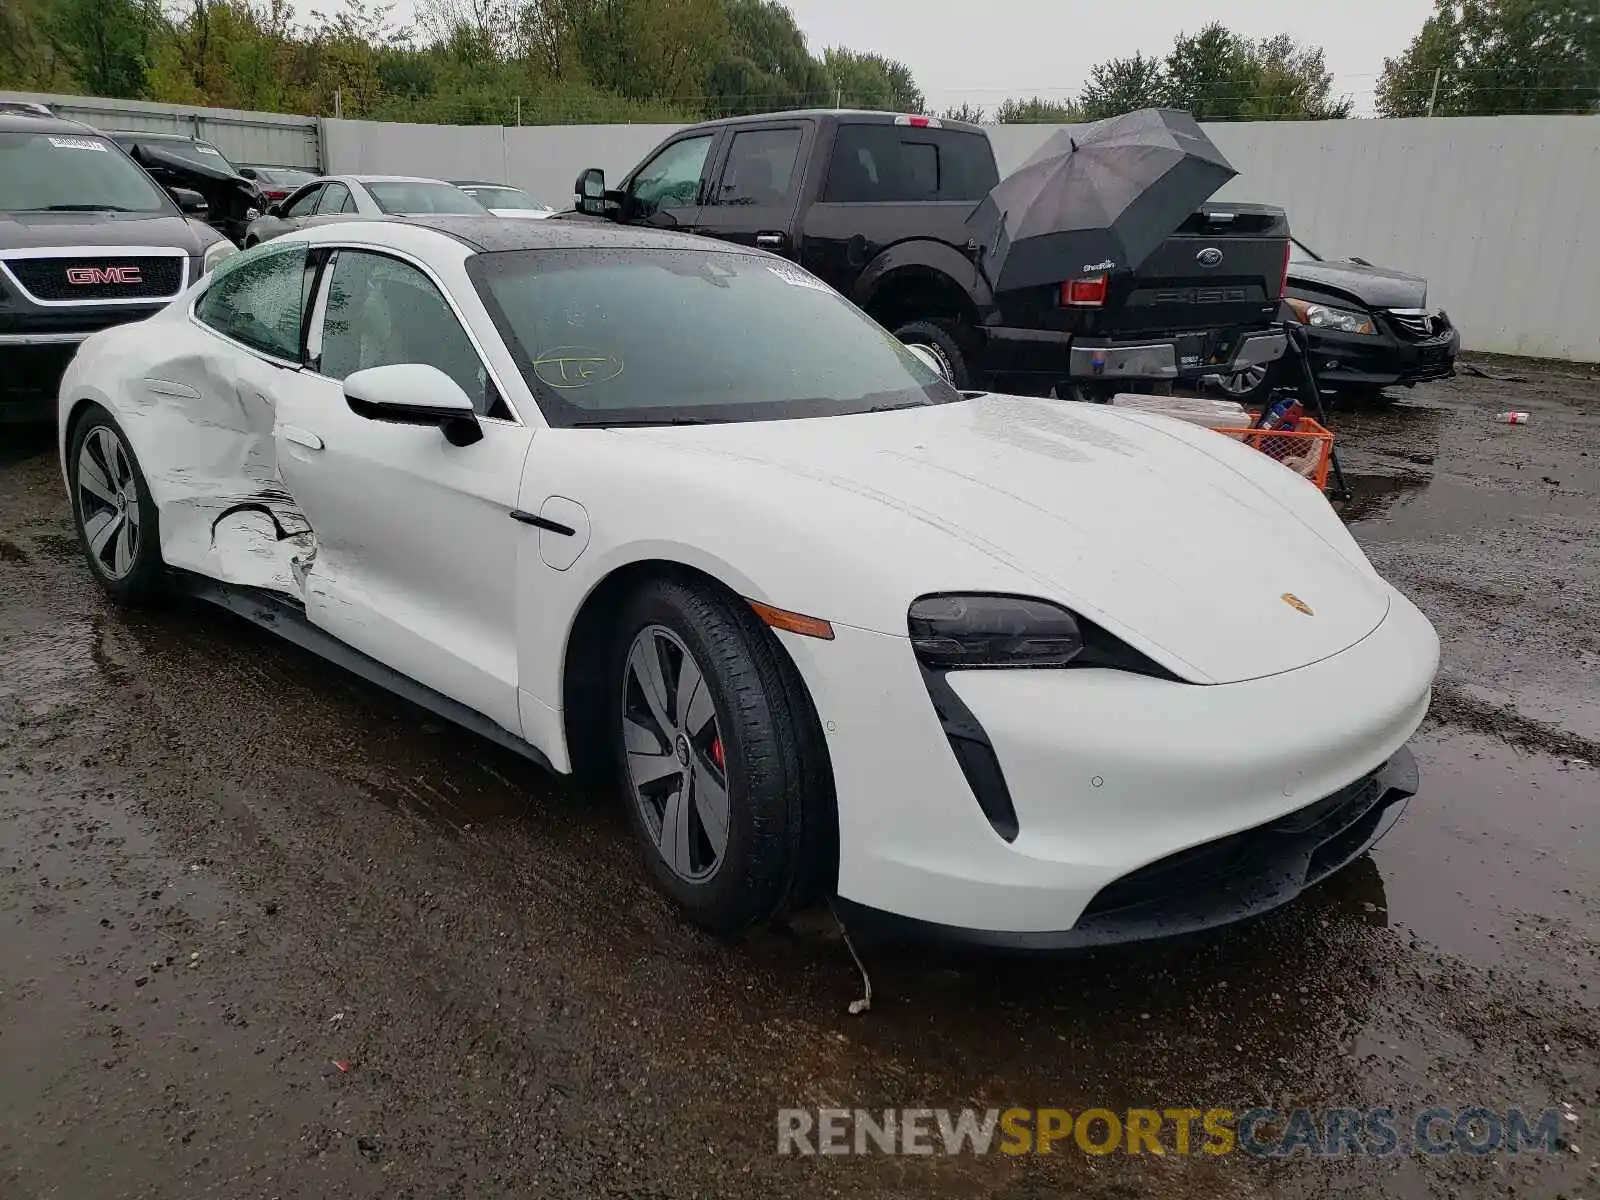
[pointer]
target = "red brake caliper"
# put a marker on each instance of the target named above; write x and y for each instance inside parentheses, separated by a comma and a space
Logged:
(716, 754)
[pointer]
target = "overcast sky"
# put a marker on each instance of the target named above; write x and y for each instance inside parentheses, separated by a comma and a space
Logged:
(981, 51)
(986, 50)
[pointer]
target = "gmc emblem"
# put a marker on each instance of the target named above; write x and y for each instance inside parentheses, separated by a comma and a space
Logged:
(88, 276)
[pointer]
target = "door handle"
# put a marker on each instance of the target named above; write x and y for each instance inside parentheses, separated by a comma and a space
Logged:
(769, 239)
(301, 437)
(538, 522)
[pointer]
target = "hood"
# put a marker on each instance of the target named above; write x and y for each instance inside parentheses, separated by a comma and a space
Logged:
(1179, 540)
(27, 230)
(1376, 287)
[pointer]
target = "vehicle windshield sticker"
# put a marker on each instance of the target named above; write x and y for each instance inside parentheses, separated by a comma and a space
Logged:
(569, 367)
(72, 143)
(208, 150)
(799, 279)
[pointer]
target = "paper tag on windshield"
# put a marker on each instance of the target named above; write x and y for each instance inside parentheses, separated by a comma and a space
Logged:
(211, 150)
(72, 143)
(799, 279)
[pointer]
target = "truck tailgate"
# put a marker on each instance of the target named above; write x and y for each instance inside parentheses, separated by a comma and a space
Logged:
(1223, 267)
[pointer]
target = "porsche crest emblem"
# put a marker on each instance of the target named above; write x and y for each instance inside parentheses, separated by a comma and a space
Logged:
(1297, 604)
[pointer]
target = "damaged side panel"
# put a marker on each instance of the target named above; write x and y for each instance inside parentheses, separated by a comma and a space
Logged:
(203, 424)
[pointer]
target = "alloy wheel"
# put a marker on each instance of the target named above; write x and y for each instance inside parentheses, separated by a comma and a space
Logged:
(1243, 383)
(677, 771)
(108, 502)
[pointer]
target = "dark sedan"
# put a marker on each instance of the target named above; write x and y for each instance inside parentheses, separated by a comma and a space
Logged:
(1367, 327)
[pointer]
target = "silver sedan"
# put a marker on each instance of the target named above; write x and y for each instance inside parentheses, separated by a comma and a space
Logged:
(355, 197)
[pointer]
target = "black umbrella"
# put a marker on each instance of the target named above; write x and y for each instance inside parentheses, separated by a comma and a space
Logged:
(1097, 199)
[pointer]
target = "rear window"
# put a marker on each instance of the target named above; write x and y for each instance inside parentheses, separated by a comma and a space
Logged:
(422, 197)
(898, 163)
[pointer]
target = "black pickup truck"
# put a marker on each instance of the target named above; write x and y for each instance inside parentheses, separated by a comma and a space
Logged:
(876, 204)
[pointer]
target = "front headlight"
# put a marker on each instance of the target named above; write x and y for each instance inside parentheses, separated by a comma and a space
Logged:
(1323, 316)
(216, 253)
(952, 631)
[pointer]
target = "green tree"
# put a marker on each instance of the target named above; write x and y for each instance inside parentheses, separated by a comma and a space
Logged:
(871, 81)
(106, 44)
(972, 113)
(1488, 57)
(1123, 85)
(1038, 111)
(1293, 82)
(1211, 74)
(766, 64)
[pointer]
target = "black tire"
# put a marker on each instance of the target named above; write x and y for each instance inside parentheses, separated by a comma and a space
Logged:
(145, 580)
(778, 790)
(939, 337)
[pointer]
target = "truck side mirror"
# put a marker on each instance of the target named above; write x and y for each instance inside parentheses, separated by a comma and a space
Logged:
(591, 191)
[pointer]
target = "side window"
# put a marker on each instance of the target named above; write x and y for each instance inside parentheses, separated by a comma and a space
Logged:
(305, 203)
(335, 199)
(672, 178)
(760, 167)
(381, 311)
(260, 301)
(892, 164)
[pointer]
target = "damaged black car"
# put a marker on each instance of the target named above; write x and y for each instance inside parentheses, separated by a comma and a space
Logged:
(176, 160)
(1367, 328)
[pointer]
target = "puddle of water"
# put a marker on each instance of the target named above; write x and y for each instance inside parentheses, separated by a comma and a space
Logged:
(1498, 846)
(1413, 506)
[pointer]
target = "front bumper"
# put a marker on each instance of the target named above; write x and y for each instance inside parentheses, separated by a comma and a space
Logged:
(1111, 775)
(31, 365)
(1380, 359)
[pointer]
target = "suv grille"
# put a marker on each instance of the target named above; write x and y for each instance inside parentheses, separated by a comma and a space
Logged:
(1418, 327)
(99, 278)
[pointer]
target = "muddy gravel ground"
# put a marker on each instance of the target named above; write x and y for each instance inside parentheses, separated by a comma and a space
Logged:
(267, 932)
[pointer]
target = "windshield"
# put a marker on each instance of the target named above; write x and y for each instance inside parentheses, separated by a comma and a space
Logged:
(652, 336)
(69, 172)
(423, 197)
(505, 197)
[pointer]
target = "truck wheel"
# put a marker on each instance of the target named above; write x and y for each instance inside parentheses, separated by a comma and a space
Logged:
(936, 337)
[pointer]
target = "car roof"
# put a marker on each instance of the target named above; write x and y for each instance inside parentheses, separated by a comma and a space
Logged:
(492, 235)
(389, 178)
(16, 119)
(843, 116)
(150, 135)
(510, 187)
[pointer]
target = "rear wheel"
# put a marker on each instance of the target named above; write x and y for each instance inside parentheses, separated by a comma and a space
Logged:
(113, 510)
(717, 750)
(938, 338)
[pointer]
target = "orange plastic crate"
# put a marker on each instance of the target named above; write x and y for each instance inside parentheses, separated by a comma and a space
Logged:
(1307, 449)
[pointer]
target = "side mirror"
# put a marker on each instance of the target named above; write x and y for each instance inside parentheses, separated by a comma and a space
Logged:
(591, 191)
(931, 360)
(414, 394)
(248, 173)
(189, 202)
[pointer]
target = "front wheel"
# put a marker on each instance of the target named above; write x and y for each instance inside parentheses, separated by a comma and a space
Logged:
(716, 750)
(114, 512)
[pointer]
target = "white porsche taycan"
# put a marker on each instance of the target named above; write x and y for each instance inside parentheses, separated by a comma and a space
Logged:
(675, 517)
